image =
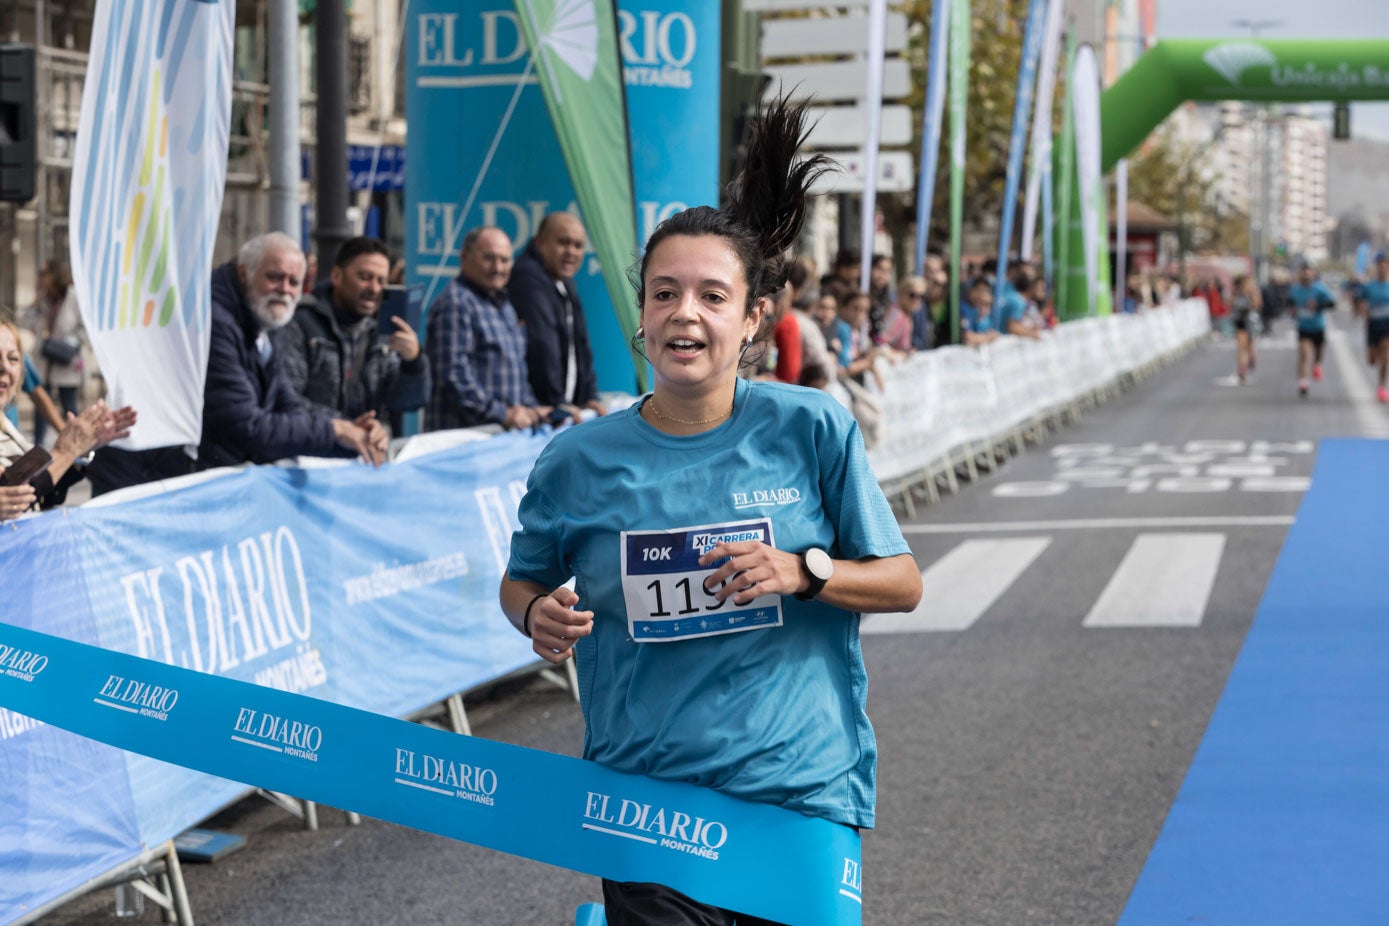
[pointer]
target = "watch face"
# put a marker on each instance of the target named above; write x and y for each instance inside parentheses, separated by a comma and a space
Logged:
(819, 564)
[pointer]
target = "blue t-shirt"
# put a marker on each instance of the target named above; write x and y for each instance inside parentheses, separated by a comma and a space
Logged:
(1010, 306)
(31, 380)
(971, 320)
(845, 333)
(774, 715)
(1310, 302)
(1376, 296)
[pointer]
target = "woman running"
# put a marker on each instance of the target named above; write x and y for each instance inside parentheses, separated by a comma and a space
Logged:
(1245, 305)
(724, 535)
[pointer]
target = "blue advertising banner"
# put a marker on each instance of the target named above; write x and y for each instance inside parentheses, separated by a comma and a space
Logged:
(376, 167)
(486, 152)
(313, 581)
(1033, 34)
(756, 858)
(930, 127)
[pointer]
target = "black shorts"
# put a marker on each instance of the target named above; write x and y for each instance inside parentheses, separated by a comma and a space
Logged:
(1377, 330)
(1316, 337)
(634, 903)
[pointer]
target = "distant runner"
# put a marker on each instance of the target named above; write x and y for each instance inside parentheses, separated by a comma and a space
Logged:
(1374, 302)
(1310, 299)
(1244, 305)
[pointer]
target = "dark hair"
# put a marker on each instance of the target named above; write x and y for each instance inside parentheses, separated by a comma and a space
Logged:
(833, 286)
(62, 277)
(848, 295)
(797, 274)
(354, 248)
(979, 281)
(848, 257)
(766, 203)
(814, 375)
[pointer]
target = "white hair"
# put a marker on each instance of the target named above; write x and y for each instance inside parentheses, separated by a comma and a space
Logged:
(254, 251)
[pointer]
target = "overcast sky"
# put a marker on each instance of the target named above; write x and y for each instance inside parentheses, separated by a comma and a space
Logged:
(1296, 19)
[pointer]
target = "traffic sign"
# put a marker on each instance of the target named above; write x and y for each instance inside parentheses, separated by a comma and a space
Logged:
(896, 173)
(838, 80)
(847, 126)
(839, 35)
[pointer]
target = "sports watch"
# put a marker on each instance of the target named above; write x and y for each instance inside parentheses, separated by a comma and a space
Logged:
(819, 567)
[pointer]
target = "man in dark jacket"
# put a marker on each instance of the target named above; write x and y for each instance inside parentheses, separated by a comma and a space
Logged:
(331, 351)
(250, 413)
(559, 358)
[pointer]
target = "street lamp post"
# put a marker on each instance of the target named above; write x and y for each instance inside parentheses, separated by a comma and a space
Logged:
(1184, 181)
(1259, 246)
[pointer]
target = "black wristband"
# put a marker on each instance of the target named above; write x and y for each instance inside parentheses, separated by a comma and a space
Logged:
(526, 618)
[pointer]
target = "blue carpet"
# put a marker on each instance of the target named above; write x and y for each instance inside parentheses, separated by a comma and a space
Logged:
(1284, 813)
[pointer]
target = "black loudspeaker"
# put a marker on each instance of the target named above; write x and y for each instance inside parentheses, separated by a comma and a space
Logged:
(18, 151)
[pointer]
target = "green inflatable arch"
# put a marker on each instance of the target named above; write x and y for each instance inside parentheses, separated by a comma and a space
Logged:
(1209, 71)
(1275, 71)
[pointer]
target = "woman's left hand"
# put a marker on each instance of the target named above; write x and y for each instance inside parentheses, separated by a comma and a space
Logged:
(115, 425)
(95, 427)
(753, 569)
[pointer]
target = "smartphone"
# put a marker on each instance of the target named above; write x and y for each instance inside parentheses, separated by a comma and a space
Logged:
(27, 468)
(405, 302)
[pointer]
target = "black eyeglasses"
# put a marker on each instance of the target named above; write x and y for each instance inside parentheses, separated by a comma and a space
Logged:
(910, 294)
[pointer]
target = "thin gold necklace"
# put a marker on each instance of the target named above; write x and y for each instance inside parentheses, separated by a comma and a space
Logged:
(658, 413)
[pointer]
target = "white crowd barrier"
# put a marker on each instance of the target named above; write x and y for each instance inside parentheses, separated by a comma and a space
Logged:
(394, 577)
(939, 406)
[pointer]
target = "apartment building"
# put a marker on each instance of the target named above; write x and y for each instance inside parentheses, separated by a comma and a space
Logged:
(61, 32)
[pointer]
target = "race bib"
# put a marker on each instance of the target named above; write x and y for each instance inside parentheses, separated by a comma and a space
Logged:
(663, 584)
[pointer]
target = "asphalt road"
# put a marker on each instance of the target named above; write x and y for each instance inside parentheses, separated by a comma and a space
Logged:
(1035, 720)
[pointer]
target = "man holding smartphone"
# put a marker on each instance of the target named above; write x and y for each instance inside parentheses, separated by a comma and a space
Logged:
(336, 354)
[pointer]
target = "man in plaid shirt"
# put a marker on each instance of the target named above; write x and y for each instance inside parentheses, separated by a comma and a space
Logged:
(476, 346)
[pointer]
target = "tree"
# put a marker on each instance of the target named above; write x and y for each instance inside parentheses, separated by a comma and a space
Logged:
(995, 54)
(1168, 177)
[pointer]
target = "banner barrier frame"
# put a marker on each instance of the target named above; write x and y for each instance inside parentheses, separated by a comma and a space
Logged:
(1023, 390)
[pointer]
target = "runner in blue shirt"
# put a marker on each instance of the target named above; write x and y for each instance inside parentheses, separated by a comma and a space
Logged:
(724, 537)
(1374, 301)
(1309, 300)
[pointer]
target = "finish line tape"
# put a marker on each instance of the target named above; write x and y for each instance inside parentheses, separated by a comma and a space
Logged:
(757, 859)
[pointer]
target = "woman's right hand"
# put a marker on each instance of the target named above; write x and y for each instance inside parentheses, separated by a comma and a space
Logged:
(82, 432)
(15, 500)
(555, 628)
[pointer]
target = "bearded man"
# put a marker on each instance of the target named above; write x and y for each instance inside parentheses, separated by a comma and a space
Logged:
(250, 411)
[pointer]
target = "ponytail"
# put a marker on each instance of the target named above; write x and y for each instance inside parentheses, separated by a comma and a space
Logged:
(766, 202)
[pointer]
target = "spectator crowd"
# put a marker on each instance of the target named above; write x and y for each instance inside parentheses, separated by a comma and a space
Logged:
(300, 366)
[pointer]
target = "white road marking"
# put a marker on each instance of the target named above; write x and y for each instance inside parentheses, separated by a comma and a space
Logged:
(1165, 580)
(959, 587)
(994, 527)
(1369, 414)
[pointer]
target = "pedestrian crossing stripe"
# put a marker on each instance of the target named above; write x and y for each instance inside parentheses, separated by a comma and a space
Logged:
(958, 588)
(1164, 580)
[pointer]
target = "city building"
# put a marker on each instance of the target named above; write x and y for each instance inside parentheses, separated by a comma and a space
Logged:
(61, 32)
